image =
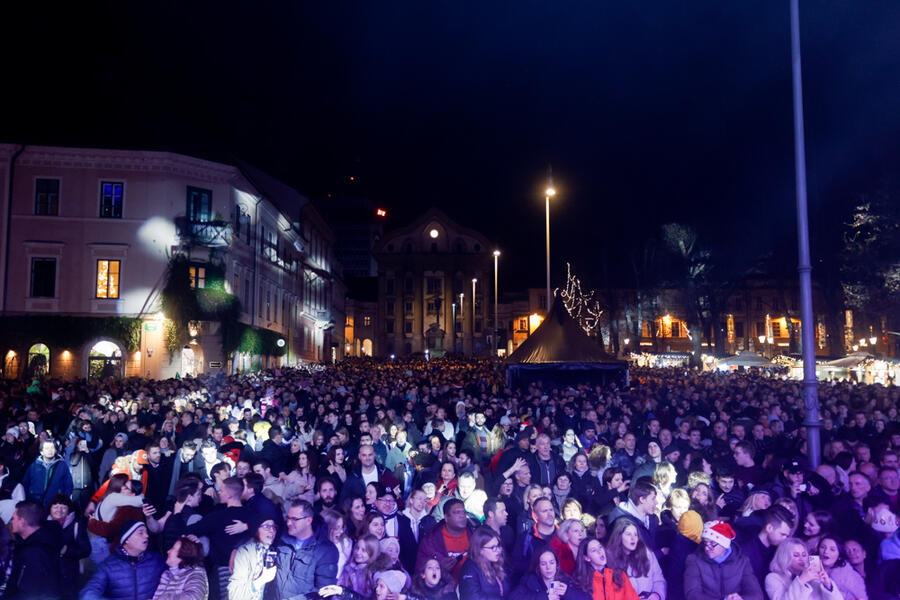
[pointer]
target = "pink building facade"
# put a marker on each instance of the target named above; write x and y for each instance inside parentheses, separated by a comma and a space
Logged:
(91, 234)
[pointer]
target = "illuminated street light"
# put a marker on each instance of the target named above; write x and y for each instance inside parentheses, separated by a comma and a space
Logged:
(433, 233)
(496, 325)
(548, 193)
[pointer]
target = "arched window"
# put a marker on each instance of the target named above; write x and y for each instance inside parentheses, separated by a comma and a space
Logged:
(38, 360)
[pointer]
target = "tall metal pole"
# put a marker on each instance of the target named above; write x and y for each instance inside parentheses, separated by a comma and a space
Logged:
(453, 308)
(804, 267)
(547, 201)
(549, 192)
(496, 324)
(474, 281)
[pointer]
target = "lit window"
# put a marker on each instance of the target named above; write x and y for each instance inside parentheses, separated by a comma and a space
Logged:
(108, 278)
(198, 277)
(367, 321)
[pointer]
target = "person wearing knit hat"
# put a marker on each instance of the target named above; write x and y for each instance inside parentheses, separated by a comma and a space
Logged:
(128, 529)
(718, 570)
(131, 570)
(393, 580)
(718, 532)
(690, 525)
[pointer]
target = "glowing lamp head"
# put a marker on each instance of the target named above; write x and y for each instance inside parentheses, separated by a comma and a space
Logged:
(762, 339)
(280, 343)
(496, 253)
(873, 340)
(474, 280)
(433, 233)
(550, 192)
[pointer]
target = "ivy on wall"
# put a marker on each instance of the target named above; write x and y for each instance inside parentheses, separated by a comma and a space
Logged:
(68, 332)
(181, 303)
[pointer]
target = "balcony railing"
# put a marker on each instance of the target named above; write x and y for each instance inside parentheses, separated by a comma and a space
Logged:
(213, 234)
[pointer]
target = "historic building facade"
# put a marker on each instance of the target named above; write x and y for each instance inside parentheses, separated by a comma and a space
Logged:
(435, 289)
(95, 235)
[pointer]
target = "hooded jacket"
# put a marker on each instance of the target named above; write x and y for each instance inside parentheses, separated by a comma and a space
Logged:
(45, 479)
(705, 579)
(125, 577)
(35, 567)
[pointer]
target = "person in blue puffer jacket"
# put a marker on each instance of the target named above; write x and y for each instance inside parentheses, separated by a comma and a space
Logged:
(130, 572)
(47, 476)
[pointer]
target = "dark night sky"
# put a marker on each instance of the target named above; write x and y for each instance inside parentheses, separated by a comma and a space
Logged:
(649, 112)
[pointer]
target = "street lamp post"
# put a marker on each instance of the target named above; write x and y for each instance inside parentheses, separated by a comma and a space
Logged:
(548, 193)
(496, 324)
(804, 264)
(462, 325)
(453, 330)
(474, 281)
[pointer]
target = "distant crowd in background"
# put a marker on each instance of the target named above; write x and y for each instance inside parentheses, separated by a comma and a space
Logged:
(431, 480)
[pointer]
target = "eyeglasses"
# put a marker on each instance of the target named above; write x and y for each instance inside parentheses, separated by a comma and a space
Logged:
(267, 526)
(491, 547)
(295, 519)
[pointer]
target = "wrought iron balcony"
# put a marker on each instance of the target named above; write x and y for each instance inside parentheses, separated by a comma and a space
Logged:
(212, 234)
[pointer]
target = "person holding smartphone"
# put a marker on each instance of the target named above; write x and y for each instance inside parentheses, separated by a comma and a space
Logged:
(794, 576)
(545, 581)
(253, 564)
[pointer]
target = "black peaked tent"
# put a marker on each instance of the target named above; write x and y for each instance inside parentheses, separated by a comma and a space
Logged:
(560, 352)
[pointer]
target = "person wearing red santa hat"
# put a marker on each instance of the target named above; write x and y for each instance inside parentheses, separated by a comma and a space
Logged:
(718, 570)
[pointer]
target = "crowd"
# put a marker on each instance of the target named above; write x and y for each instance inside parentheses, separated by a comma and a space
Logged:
(431, 480)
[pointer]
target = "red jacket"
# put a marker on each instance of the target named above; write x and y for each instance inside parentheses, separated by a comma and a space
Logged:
(564, 554)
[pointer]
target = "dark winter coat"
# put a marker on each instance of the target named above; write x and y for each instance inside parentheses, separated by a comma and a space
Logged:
(44, 480)
(35, 566)
(532, 588)
(77, 546)
(356, 487)
(474, 585)
(124, 577)
(704, 579)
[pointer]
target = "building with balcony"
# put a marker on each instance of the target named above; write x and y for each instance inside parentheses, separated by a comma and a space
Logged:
(96, 241)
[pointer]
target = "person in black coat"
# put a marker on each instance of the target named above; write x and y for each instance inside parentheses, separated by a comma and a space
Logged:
(74, 541)
(544, 576)
(484, 575)
(35, 566)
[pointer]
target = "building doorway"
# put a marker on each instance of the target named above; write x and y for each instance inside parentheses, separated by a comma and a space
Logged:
(38, 361)
(105, 360)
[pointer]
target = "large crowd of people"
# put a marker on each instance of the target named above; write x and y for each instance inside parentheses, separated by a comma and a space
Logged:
(432, 480)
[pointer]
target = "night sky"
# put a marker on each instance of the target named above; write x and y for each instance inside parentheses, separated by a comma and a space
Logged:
(649, 112)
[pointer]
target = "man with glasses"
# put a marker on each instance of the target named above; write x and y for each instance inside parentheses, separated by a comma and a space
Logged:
(305, 563)
(718, 569)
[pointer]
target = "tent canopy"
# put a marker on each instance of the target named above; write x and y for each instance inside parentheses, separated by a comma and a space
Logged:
(850, 361)
(560, 352)
(745, 359)
(560, 339)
